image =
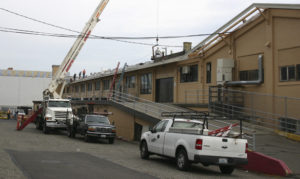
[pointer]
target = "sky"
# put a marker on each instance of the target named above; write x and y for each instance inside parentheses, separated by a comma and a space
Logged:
(125, 18)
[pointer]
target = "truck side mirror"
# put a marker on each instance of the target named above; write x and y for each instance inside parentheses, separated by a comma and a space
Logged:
(152, 130)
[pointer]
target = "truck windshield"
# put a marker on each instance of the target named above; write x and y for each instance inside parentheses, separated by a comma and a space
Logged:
(97, 119)
(182, 124)
(59, 104)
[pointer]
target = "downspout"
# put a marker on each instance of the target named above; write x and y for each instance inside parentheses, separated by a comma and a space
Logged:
(253, 82)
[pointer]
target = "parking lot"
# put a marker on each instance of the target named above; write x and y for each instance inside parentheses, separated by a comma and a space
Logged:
(32, 154)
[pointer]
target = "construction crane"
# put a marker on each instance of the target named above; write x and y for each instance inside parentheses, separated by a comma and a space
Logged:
(55, 111)
(56, 86)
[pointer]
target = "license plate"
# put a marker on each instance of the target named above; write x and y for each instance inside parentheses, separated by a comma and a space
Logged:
(103, 136)
(223, 160)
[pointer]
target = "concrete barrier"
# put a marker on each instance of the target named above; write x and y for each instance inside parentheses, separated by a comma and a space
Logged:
(265, 164)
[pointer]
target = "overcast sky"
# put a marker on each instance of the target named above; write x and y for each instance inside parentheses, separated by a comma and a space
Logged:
(120, 18)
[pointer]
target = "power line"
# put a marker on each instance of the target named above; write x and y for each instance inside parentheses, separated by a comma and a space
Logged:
(116, 38)
(29, 32)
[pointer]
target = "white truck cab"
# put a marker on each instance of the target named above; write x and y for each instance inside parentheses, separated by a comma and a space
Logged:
(56, 113)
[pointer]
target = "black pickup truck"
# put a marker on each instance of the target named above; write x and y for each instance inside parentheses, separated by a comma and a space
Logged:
(92, 126)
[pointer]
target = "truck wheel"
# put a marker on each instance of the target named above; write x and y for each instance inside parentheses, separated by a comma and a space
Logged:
(226, 169)
(144, 150)
(182, 160)
(111, 140)
(45, 128)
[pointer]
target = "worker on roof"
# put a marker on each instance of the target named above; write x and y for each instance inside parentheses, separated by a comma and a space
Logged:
(83, 73)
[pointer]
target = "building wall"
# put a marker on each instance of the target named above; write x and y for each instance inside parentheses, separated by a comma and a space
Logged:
(21, 91)
(123, 121)
(275, 34)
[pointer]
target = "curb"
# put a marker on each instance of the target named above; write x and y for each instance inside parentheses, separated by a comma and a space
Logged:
(259, 162)
(291, 136)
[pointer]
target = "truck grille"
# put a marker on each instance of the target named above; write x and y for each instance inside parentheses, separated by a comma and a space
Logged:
(60, 114)
(104, 130)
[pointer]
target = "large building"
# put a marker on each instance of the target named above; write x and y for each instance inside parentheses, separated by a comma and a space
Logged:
(257, 51)
(20, 87)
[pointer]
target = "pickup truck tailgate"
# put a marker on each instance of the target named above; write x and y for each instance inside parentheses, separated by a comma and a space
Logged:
(222, 146)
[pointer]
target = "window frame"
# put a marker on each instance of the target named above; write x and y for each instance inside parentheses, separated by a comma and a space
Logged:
(82, 88)
(90, 86)
(192, 76)
(130, 81)
(146, 83)
(287, 71)
(106, 84)
(97, 85)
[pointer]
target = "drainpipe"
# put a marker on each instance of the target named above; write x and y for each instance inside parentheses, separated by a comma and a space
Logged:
(253, 82)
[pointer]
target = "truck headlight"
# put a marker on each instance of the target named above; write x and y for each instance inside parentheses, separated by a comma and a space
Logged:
(48, 118)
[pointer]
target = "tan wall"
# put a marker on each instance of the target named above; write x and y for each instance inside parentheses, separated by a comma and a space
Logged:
(123, 121)
(286, 50)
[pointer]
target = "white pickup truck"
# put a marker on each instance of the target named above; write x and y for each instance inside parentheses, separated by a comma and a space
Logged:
(187, 142)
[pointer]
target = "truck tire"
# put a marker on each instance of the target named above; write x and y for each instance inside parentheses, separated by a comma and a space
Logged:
(45, 128)
(182, 160)
(144, 150)
(226, 169)
(111, 140)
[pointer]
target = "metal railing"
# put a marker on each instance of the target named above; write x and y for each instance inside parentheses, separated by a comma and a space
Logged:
(142, 105)
(196, 96)
(155, 109)
(274, 112)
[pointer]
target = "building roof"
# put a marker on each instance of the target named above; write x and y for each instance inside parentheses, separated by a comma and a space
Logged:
(252, 11)
(25, 73)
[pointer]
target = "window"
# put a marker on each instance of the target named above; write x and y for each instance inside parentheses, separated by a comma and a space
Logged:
(249, 75)
(298, 72)
(208, 72)
(130, 82)
(77, 88)
(106, 84)
(97, 85)
(189, 73)
(90, 86)
(82, 88)
(146, 83)
(288, 73)
(161, 126)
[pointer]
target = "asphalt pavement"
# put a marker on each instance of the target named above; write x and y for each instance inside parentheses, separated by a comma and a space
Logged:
(31, 154)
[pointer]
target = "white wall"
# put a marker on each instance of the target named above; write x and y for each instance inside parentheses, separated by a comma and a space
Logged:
(21, 91)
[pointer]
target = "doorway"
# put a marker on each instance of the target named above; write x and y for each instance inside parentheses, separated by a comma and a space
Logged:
(164, 90)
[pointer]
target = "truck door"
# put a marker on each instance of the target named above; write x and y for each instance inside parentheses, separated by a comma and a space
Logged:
(157, 137)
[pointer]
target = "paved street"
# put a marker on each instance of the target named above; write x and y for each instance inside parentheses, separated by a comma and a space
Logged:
(31, 154)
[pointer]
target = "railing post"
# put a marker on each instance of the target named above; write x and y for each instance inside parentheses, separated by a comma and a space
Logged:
(253, 142)
(209, 99)
(252, 108)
